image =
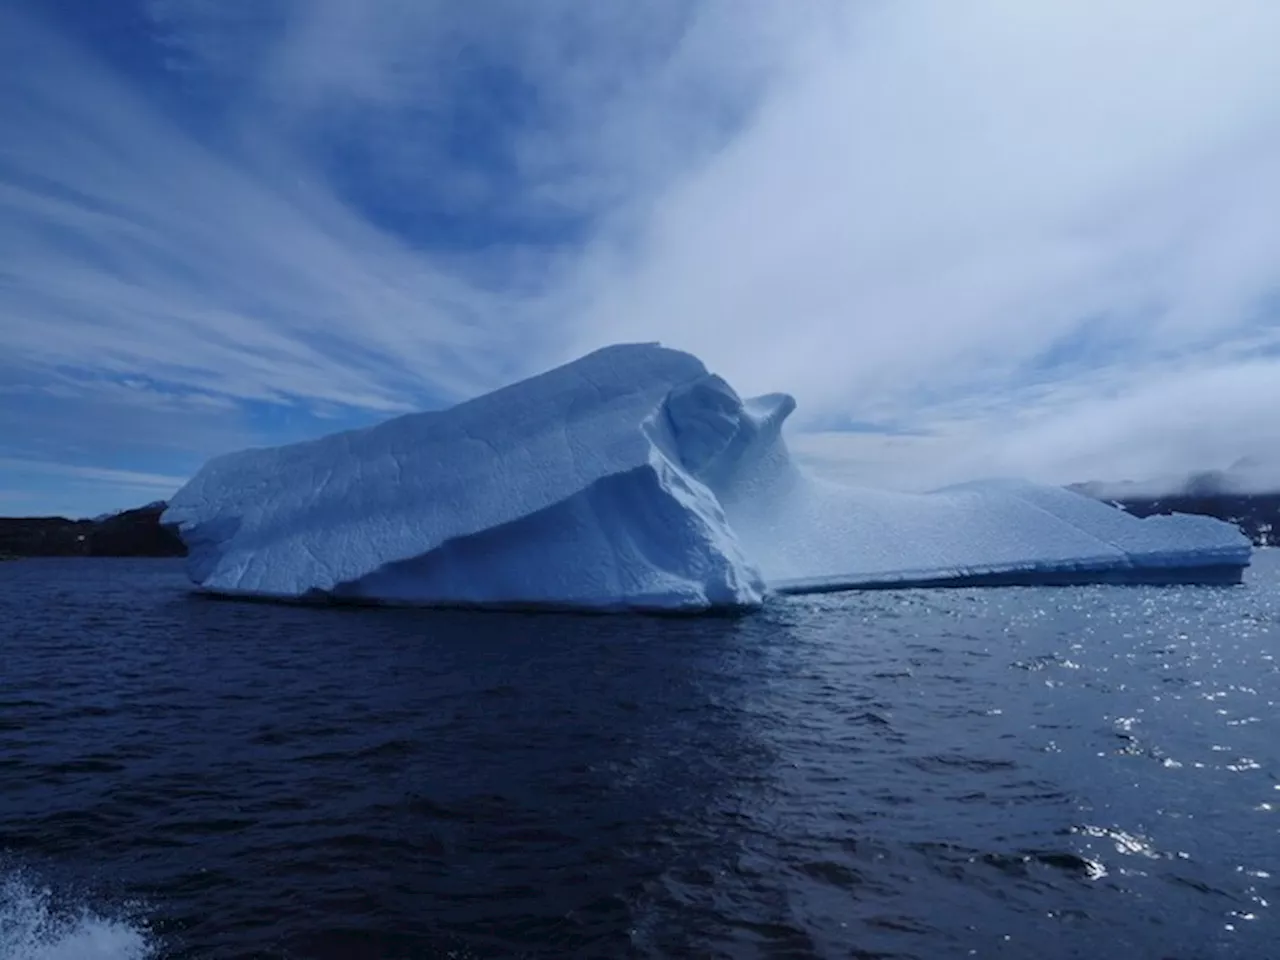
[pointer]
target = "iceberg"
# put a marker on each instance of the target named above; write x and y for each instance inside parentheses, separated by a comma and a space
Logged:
(634, 479)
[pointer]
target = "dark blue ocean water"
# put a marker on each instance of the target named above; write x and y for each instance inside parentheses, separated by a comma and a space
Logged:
(1003, 773)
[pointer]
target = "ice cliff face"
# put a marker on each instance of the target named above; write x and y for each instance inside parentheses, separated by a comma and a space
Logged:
(629, 479)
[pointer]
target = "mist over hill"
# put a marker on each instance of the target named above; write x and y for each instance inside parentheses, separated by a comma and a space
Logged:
(1246, 493)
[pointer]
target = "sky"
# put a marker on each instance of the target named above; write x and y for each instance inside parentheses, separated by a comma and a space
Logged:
(971, 237)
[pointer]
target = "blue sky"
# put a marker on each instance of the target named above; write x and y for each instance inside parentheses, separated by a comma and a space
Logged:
(971, 238)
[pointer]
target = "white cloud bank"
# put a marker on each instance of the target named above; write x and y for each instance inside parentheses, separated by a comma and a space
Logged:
(1039, 237)
(1047, 229)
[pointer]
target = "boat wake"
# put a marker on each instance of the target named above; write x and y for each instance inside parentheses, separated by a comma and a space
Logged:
(36, 925)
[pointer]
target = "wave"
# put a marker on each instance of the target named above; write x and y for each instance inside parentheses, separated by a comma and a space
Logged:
(35, 925)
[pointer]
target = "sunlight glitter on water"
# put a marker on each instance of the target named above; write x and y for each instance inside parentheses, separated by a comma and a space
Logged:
(32, 927)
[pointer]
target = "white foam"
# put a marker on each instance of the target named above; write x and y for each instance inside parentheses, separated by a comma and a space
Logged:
(33, 928)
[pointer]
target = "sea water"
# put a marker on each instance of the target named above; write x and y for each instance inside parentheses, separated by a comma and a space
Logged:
(1068, 772)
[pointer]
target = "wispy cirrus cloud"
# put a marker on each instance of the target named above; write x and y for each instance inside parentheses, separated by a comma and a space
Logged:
(126, 478)
(1019, 238)
(58, 489)
(147, 250)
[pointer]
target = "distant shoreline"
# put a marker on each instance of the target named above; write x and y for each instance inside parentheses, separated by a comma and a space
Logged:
(131, 533)
(1256, 514)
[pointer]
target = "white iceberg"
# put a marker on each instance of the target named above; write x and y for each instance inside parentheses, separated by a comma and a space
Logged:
(634, 479)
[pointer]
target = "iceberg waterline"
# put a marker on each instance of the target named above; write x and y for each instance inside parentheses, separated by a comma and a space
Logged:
(633, 478)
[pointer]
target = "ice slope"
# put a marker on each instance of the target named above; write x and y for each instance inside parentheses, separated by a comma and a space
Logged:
(634, 479)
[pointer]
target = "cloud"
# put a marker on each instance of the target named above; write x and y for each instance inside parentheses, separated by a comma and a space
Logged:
(67, 415)
(124, 478)
(1116, 425)
(947, 205)
(130, 245)
(1031, 238)
(534, 108)
(51, 488)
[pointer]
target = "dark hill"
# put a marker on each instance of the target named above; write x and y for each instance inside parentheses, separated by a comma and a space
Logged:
(133, 533)
(1257, 514)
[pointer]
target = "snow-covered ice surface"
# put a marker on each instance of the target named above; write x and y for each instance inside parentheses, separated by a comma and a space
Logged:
(633, 479)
